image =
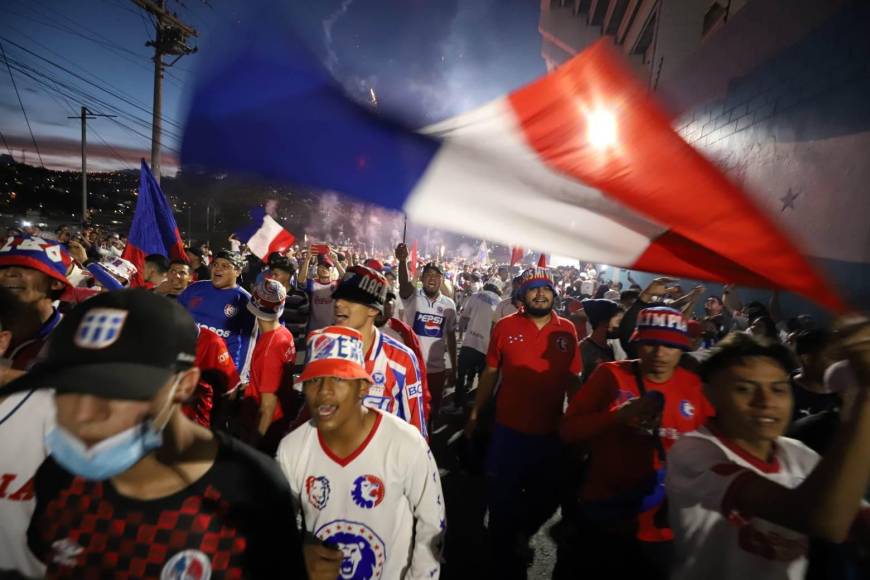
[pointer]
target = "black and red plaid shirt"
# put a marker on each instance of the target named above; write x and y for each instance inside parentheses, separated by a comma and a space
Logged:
(236, 521)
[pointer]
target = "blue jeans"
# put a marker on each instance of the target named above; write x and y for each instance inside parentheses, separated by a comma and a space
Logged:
(523, 475)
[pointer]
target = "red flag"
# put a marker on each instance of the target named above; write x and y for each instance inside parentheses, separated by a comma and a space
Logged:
(517, 254)
(591, 121)
(153, 230)
(412, 267)
(542, 261)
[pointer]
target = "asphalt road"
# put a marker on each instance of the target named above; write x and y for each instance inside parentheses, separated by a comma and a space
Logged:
(467, 553)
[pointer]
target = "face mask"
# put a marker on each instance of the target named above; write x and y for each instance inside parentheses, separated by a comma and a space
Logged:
(111, 456)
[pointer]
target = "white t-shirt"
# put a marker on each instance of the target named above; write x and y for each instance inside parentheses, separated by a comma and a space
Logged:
(21, 453)
(322, 304)
(712, 540)
(382, 505)
(505, 308)
(479, 310)
(432, 321)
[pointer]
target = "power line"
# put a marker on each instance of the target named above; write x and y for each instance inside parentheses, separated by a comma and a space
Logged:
(91, 83)
(113, 150)
(21, 104)
(77, 93)
(118, 50)
(85, 71)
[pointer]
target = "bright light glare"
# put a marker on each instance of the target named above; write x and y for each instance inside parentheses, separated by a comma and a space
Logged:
(26, 224)
(604, 267)
(601, 129)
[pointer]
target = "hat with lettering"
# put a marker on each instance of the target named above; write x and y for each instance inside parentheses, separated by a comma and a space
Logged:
(363, 285)
(117, 345)
(536, 278)
(662, 325)
(335, 351)
(267, 299)
(46, 256)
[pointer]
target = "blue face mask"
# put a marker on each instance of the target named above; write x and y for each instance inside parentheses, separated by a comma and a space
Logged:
(109, 457)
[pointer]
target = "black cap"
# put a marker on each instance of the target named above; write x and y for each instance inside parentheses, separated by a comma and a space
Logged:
(433, 266)
(117, 345)
(363, 285)
(232, 257)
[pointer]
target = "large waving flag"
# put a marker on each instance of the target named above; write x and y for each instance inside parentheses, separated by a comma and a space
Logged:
(153, 230)
(263, 235)
(581, 162)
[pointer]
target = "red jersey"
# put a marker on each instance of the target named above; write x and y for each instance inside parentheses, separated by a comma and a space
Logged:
(272, 369)
(623, 460)
(536, 367)
(218, 373)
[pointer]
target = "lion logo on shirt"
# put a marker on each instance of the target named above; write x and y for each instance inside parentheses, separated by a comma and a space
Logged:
(317, 489)
(230, 310)
(363, 552)
(368, 491)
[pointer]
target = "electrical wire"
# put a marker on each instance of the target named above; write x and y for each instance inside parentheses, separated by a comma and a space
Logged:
(21, 104)
(91, 83)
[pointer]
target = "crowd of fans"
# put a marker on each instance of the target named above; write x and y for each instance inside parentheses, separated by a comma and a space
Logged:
(230, 416)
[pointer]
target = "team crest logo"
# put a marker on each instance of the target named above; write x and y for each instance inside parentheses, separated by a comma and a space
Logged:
(368, 491)
(440, 309)
(317, 489)
(562, 343)
(379, 378)
(230, 310)
(687, 409)
(187, 565)
(363, 551)
(100, 328)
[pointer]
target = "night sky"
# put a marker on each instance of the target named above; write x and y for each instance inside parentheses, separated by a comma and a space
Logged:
(425, 59)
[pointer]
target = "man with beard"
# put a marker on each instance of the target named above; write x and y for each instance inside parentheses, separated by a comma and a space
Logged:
(34, 270)
(604, 316)
(432, 315)
(537, 355)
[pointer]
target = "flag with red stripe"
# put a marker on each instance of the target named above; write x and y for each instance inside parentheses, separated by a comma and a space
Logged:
(581, 162)
(153, 229)
(263, 235)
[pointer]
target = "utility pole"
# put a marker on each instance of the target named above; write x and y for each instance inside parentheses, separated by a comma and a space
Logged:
(85, 115)
(170, 39)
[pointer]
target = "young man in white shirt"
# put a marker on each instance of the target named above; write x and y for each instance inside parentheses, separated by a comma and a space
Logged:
(744, 500)
(25, 419)
(432, 315)
(476, 324)
(366, 481)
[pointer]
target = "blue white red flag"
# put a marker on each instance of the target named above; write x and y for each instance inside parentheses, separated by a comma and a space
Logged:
(153, 230)
(263, 235)
(580, 162)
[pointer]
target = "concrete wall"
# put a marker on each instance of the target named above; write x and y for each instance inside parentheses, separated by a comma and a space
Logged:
(780, 98)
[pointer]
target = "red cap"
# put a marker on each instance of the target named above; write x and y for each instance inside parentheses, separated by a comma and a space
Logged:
(335, 351)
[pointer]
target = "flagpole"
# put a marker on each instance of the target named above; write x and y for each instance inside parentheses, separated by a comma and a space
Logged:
(405, 230)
